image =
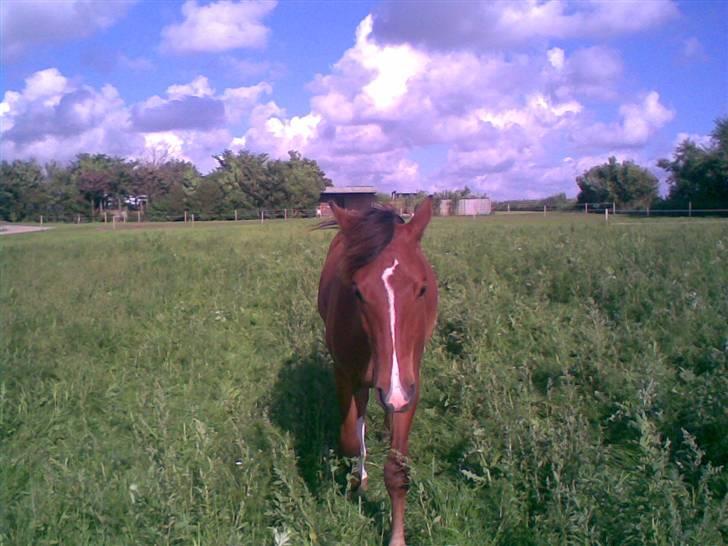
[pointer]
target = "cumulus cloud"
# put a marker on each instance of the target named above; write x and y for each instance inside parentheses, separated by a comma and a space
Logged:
(639, 122)
(54, 118)
(189, 112)
(219, 26)
(461, 24)
(592, 72)
(381, 101)
(29, 24)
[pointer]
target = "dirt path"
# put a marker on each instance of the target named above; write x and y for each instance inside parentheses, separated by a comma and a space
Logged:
(12, 229)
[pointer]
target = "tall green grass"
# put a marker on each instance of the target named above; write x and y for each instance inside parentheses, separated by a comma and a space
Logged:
(170, 386)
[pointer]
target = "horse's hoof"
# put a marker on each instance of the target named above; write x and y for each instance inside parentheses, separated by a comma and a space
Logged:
(358, 486)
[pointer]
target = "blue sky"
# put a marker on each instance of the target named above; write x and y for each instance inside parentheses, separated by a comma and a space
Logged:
(514, 99)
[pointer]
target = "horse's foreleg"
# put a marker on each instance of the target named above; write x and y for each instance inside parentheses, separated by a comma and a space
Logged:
(396, 472)
(360, 471)
(348, 438)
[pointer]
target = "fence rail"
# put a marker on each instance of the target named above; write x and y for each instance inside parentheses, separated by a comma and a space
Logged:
(139, 216)
(611, 209)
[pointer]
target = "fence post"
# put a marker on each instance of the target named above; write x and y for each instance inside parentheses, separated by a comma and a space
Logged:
(586, 208)
(606, 215)
(139, 216)
(236, 215)
(106, 220)
(648, 210)
(544, 210)
(690, 208)
(509, 207)
(185, 217)
(614, 207)
(78, 219)
(113, 221)
(261, 215)
(41, 219)
(193, 219)
(285, 214)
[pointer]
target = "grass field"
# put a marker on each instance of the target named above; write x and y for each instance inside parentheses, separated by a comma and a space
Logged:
(170, 386)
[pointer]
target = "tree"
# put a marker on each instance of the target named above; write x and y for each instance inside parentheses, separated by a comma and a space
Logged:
(22, 190)
(63, 198)
(254, 181)
(626, 184)
(208, 201)
(699, 175)
(101, 178)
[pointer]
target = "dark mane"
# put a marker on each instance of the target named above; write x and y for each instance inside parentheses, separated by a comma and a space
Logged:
(371, 231)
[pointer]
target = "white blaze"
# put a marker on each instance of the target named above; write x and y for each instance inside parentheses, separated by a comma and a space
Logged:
(396, 393)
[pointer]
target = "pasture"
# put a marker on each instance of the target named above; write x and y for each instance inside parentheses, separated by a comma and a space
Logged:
(170, 385)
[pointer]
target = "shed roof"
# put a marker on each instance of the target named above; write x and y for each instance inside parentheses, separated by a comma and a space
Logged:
(349, 190)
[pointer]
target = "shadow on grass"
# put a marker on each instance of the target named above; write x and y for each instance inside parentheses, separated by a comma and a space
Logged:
(304, 404)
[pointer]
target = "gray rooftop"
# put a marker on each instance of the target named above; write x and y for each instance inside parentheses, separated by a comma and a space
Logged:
(349, 189)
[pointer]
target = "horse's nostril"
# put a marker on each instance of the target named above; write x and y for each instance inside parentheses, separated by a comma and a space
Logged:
(382, 396)
(411, 391)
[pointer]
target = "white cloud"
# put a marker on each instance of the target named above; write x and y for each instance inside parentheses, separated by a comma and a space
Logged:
(701, 140)
(556, 57)
(199, 87)
(592, 72)
(639, 122)
(48, 84)
(381, 101)
(219, 26)
(32, 23)
(469, 24)
(54, 118)
(692, 50)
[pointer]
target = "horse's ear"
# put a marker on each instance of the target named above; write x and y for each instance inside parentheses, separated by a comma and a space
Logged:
(343, 217)
(423, 214)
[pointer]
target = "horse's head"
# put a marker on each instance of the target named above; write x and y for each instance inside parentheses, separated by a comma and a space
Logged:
(396, 295)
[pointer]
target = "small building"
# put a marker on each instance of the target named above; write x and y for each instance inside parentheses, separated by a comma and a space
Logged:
(465, 207)
(348, 197)
(405, 202)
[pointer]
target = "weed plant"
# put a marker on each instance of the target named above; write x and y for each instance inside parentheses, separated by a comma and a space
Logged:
(170, 386)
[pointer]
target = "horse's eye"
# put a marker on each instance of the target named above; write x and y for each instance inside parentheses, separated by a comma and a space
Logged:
(358, 295)
(422, 291)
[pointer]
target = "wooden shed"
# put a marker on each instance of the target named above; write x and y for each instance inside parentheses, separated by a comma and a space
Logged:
(348, 197)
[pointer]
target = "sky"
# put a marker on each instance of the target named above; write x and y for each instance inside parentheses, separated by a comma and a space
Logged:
(513, 99)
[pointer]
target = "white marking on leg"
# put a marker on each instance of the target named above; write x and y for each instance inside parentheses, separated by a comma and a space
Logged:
(361, 429)
(396, 393)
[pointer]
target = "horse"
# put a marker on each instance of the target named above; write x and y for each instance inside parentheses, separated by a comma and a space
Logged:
(378, 299)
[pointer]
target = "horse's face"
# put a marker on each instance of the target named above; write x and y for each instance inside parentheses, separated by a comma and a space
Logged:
(394, 296)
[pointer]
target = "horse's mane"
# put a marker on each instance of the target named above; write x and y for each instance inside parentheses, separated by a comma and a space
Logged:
(369, 233)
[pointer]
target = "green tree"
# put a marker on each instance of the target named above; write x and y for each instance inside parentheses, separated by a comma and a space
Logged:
(103, 179)
(208, 201)
(699, 175)
(64, 198)
(22, 190)
(254, 181)
(168, 186)
(626, 184)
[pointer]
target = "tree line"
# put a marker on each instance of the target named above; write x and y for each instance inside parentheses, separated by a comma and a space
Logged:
(162, 189)
(697, 176)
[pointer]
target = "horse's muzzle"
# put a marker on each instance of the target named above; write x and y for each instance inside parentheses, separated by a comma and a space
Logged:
(397, 401)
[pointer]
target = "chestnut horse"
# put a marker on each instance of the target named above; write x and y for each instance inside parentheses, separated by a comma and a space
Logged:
(378, 298)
